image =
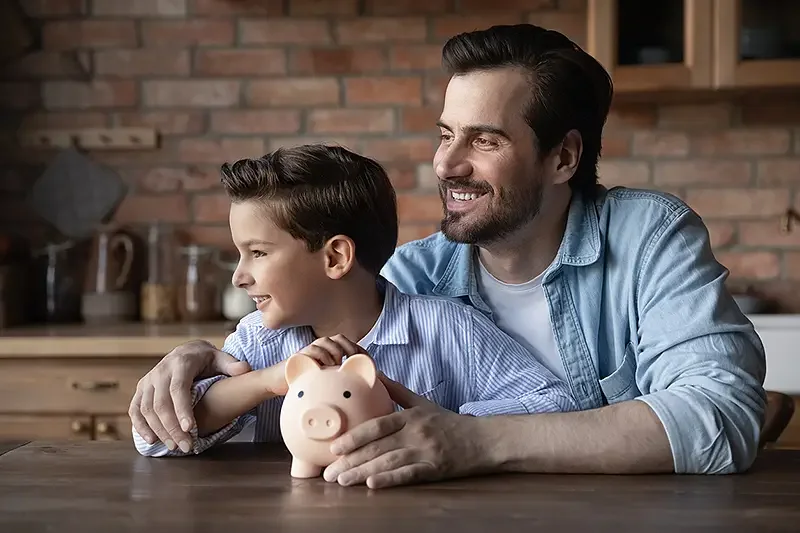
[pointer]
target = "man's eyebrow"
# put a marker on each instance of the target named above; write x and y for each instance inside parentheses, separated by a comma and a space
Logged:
(476, 128)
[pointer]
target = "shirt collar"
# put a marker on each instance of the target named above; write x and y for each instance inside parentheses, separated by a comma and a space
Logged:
(393, 322)
(580, 246)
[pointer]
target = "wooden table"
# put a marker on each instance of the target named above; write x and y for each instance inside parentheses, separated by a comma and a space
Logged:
(107, 486)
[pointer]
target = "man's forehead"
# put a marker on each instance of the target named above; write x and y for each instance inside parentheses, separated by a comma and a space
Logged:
(487, 97)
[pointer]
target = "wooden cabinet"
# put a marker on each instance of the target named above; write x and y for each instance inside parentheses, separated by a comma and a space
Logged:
(76, 383)
(693, 45)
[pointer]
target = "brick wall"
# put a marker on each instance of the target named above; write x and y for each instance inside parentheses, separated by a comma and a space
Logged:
(228, 79)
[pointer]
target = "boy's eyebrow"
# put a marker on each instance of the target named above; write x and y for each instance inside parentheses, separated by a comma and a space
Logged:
(251, 242)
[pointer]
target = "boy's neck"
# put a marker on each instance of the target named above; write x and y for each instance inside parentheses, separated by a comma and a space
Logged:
(352, 310)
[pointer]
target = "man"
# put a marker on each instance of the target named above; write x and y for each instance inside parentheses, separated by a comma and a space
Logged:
(617, 291)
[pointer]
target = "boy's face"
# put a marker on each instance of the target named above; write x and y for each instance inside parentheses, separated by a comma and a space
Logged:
(277, 270)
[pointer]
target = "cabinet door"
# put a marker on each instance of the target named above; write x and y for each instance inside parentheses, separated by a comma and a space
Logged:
(55, 427)
(652, 46)
(756, 43)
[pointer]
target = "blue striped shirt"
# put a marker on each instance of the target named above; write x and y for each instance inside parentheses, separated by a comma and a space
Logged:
(441, 349)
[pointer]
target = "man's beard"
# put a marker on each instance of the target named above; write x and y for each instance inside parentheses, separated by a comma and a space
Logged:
(508, 211)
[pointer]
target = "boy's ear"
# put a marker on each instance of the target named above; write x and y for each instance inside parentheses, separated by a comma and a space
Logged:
(340, 256)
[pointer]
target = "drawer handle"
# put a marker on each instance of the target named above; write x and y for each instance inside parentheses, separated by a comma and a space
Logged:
(104, 428)
(95, 385)
(79, 427)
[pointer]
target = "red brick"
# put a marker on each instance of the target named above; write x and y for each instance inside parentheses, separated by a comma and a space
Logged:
(632, 116)
(149, 208)
(412, 208)
(399, 149)
(409, 7)
(218, 236)
(623, 173)
(351, 121)
(427, 178)
(435, 87)
(167, 179)
(18, 95)
(45, 65)
(571, 24)
(166, 122)
(64, 120)
(294, 92)
(403, 176)
(380, 30)
(219, 151)
(416, 57)
(53, 8)
(448, 26)
(252, 121)
(139, 8)
(721, 233)
(240, 62)
(660, 143)
(191, 93)
(284, 31)
(138, 63)
(323, 7)
(767, 234)
(272, 8)
(420, 119)
(165, 33)
(211, 207)
(482, 6)
(783, 171)
(792, 266)
(743, 142)
(333, 61)
(695, 116)
(738, 203)
(351, 143)
(73, 34)
(384, 90)
(616, 144)
(703, 172)
(777, 110)
(85, 95)
(407, 233)
(751, 265)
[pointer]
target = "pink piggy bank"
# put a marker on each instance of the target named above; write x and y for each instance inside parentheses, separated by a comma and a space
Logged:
(323, 403)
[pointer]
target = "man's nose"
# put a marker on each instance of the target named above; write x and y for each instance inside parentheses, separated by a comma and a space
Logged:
(451, 162)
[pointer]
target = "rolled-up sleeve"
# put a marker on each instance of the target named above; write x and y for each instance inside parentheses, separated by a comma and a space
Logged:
(507, 379)
(700, 363)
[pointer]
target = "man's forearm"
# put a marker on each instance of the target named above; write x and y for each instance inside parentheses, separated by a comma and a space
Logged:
(232, 397)
(624, 438)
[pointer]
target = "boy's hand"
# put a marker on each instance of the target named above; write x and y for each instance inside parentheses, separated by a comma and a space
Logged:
(327, 351)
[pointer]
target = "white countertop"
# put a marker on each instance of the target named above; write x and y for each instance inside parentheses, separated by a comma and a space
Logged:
(781, 337)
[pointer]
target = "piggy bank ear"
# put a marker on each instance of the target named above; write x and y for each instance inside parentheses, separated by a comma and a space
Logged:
(361, 365)
(297, 365)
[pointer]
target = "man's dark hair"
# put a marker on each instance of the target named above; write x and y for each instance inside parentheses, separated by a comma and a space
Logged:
(569, 88)
(317, 191)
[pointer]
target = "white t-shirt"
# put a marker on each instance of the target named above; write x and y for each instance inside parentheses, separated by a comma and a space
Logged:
(521, 311)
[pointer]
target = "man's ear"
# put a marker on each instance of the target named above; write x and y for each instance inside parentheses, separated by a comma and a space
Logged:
(339, 255)
(566, 157)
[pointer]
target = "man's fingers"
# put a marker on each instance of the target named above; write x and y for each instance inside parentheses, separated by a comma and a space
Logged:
(138, 421)
(402, 396)
(366, 432)
(165, 411)
(336, 352)
(181, 394)
(223, 363)
(405, 475)
(376, 464)
(152, 418)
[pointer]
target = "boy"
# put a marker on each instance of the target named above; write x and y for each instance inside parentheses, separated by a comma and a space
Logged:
(314, 225)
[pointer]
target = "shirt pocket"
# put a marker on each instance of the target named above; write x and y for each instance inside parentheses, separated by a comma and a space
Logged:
(621, 384)
(438, 394)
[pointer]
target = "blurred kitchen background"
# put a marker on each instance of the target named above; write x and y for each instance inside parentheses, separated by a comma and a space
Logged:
(115, 116)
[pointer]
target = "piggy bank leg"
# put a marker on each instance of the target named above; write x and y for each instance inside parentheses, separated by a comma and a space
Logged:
(303, 469)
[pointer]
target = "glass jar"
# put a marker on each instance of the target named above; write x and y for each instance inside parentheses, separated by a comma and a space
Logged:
(198, 294)
(158, 291)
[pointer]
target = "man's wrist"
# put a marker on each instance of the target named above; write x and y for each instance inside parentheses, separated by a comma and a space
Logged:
(490, 448)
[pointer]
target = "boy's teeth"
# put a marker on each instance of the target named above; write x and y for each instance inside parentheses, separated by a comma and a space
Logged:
(464, 196)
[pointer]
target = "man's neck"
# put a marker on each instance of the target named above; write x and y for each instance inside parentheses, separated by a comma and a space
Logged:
(352, 310)
(529, 251)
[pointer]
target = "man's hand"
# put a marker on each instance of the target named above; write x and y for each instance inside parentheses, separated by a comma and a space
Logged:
(422, 443)
(327, 351)
(163, 395)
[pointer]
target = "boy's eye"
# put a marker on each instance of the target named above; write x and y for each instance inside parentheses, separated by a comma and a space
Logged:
(258, 253)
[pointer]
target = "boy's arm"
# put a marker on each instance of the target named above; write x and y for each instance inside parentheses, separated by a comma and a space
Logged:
(507, 379)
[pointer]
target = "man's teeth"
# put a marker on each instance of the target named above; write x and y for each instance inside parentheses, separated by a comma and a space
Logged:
(464, 195)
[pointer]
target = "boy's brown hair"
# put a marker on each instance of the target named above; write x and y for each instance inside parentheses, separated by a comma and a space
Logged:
(316, 191)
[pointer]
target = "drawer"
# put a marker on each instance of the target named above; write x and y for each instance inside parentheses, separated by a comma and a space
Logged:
(53, 427)
(91, 386)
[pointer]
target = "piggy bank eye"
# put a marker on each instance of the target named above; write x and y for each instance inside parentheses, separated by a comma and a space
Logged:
(300, 394)
(346, 394)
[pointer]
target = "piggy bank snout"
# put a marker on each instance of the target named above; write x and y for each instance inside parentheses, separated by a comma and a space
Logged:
(323, 422)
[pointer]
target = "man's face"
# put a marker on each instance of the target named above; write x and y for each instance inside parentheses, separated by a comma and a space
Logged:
(490, 180)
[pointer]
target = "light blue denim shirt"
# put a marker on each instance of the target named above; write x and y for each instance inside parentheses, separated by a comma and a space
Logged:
(639, 311)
